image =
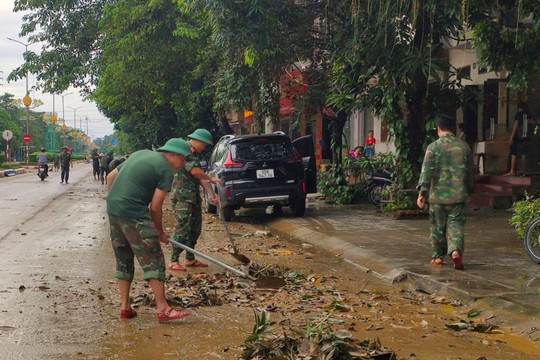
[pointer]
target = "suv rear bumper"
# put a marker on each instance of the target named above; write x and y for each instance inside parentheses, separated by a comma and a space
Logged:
(263, 196)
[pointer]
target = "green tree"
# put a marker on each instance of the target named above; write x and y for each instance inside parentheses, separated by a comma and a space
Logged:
(392, 64)
(258, 40)
(509, 41)
(153, 73)
(69, 30)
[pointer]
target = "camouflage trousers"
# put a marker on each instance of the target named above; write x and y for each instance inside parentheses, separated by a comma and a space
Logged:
(447, 229)
(188, 228)
(136, 237)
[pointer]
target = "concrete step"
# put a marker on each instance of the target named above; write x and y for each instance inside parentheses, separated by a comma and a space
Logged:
(503, 189)
(490, 200)
(522, 181)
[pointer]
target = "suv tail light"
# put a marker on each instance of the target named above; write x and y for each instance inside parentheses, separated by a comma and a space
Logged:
(229, 163)
(296, 158)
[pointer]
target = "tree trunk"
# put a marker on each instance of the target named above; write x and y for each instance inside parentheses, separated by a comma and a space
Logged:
(224, 123)
(417, 102)
(257, 118)
(337, 136)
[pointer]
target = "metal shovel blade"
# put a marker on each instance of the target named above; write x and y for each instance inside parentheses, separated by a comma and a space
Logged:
(264, 282)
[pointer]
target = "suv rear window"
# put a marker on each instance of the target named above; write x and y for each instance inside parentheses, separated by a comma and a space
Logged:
(262, 149)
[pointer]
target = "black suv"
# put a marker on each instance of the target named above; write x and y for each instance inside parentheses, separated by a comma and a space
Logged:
(262, 170)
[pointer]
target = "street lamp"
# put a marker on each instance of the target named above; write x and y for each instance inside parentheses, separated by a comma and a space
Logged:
(75, 115)
(63, 112)
(27, 100)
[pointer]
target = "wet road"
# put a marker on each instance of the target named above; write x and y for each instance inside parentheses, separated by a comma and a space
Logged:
(58, 299)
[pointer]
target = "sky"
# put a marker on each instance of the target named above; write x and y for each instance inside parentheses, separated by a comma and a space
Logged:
(11, 56)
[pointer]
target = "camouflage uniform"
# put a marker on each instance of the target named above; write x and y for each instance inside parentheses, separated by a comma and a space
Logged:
(136, 237)
(186, 202)
(446, 181)
(65, 161)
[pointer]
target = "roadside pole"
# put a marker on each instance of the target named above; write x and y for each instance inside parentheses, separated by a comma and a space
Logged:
(7, 135)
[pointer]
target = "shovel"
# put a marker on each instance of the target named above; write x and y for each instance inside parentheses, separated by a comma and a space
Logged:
(268, 282)
(233, 250)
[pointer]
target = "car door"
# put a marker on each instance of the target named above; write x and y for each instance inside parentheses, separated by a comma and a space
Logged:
(304, 146)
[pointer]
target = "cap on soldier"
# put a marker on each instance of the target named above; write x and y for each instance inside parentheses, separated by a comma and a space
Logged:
(177, 146)
(202, 135)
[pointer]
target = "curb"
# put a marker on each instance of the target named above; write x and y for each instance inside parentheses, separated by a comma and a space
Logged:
(17, 172)
(366, 260)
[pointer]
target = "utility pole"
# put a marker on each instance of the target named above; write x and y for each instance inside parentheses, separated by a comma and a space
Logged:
(27, 101)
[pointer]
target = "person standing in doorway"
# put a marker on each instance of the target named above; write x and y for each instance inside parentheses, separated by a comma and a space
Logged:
(518, 139)
(137, 189)
(369, 149)
(65, 163)
(446, 180)
(186, 200)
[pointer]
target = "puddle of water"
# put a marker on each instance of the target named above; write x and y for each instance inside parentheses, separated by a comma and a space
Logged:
(519, 343)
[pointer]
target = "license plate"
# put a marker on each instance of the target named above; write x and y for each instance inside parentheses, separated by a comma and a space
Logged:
(265, 173)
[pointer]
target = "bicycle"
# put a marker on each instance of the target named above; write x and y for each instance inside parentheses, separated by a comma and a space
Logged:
(532, 239)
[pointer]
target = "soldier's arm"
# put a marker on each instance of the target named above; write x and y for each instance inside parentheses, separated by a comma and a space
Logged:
(208, 188)
(424, 181)
(198, 173)
(110, 178)
(156, 211)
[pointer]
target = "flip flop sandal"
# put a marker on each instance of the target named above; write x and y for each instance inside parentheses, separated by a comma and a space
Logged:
(128, 314)
(166, 316)
(176, 267)
(196, 263)
(436, 262)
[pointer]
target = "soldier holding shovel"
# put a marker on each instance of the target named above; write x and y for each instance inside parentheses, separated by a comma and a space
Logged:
(186, 200)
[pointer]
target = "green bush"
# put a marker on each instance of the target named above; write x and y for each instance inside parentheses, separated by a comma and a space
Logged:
(402, 200)
(333, 184)
(526, 210)
(2, 158)
(373, 164)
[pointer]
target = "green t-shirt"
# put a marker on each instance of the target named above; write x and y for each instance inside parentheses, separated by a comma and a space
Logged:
(134, 186)
(185, 187)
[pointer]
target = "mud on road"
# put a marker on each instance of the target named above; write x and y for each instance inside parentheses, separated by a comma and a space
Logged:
(58, 298)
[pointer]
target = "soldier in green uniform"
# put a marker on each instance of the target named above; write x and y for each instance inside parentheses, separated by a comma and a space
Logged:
(446, 181)
(137, 189)
(186, 200)
(65, 163)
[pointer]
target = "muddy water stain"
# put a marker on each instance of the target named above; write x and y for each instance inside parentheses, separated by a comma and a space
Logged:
(207, 334)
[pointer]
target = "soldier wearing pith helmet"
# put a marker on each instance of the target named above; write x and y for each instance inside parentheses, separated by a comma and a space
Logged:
(186, 200)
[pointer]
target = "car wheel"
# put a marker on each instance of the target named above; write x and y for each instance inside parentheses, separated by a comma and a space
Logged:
(208, 206)
(227, 213)
(299, 207)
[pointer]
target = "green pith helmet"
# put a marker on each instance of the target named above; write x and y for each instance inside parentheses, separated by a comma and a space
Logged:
(202, 135)
(177, 146)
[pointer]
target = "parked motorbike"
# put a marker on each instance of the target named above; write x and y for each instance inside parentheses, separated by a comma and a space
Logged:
(377, 182)
(42, 172)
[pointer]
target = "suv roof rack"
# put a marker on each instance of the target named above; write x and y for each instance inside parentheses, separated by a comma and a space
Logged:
(229, 136)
